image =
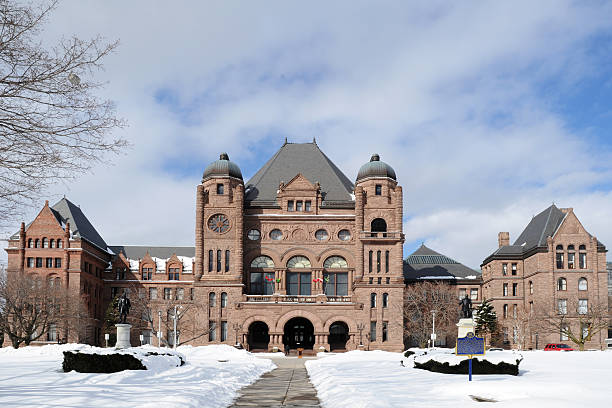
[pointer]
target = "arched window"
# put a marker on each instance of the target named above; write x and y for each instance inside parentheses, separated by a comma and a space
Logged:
(582, 248)
(582, 284)
(559, 257)
(582, 257)
(52, 243)
(571, 257)
(378, 225)
(210, 260)
(335, 283)
(262, 262)
(218, 260)
(531, 287)
(298, 262)
(372, 300)
(227, 260)
(212, 299)
(570, 247)
(385, 300)
(561, 284)
(559, 247)
(45, 243)
(30, 244)
(223, 300)
(335, 262)
(59, 243)
(37, 243)
(377, 261)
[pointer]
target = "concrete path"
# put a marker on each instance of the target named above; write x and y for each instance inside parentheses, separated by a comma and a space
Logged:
(286, 386)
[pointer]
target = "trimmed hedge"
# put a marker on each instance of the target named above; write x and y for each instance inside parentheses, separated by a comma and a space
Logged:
(478, 367)
(408, 353)
(100, 363)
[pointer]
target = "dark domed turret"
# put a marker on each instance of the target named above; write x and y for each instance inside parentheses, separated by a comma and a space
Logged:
(222, 167)
(376, 168)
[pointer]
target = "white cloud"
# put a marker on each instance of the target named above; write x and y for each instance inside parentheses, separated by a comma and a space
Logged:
(447, 94)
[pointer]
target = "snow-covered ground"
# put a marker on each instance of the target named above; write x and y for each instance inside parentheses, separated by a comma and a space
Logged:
(547, 379)
(33, 377)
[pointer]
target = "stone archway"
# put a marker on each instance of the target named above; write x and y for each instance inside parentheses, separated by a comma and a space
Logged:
(299, 333)
(258, 336)
(338, 336)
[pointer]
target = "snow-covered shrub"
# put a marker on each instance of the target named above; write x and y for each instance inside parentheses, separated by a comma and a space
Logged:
(478, 367)
(100, 363)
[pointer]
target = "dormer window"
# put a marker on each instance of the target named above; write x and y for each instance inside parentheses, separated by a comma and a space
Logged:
(307, 205)
(220, 188)
(378, 190)
(290, 205)
(298, 206)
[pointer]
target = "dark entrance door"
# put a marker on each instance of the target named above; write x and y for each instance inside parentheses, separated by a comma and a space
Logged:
(338, 336)
(299, 333)
(258, 336)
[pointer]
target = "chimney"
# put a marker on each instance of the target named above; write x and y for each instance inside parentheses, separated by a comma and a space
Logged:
(503, 238)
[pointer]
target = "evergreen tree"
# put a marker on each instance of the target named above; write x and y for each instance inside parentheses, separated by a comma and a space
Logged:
(486, 319)
(111, 317)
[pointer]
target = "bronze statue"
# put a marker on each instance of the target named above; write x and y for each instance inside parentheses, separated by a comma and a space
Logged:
(466, 307)
(123, 305)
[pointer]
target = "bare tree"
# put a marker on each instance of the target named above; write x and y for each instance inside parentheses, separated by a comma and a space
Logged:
(52, 124)
(32, 307)
(580, 320)
(145, 314)
(522, 323)
(421, 299)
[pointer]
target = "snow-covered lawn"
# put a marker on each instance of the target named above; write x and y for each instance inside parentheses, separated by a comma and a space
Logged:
(33, 377)
(547, 379)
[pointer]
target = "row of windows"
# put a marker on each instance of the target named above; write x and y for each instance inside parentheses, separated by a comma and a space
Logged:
(212, 331)
(219, 261)
(505, 269)
(49, 262)
(320, 234)
(473, 293)
(385, 300)
(571, 257)
(299, 261)
(378, 261)
(167, 294)
(89, 268)
(212, 300)
(514, 311)
(379, 280)
(298, 283)
(562, 284)
(514, 289)
(385, 331)
(582, 308)
(45, 243)
(299, 205)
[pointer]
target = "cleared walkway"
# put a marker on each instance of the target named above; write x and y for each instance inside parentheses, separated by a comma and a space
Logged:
(286, 386)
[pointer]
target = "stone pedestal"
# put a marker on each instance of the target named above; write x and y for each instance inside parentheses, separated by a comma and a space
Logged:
(465, 326)
(123, 336)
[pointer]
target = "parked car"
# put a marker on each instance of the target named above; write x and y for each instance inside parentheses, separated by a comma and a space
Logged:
(495, 349)
(557, 347)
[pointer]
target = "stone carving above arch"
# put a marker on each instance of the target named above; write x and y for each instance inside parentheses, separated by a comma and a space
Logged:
(336, 251)
(257, 318)
(313, 318)
(385, 215)
(298, 251)
(349, 322)
(298, 234)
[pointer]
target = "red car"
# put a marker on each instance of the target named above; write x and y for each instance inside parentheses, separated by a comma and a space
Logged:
(557, 347)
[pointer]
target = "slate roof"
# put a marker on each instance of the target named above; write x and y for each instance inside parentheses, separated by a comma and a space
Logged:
(312, 163)
(138, 252)
(535, 234)
(425, 263)
(66, 211)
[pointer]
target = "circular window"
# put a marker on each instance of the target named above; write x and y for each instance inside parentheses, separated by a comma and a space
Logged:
(254, 235)
(321, 235)
(276, 234)
(344, 235)
(218, 223)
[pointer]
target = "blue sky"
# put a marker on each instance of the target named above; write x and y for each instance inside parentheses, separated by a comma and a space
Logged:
(488, 111)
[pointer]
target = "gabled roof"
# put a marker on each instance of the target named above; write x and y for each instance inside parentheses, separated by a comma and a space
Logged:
(534, 236)
(139, 252)
(425, 263)
(66, 211)
(312, 163)
(540, 227)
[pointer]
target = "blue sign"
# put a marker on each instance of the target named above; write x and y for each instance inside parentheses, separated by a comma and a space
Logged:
(470, 345)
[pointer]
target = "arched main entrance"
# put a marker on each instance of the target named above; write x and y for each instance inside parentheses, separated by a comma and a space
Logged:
(338, 336)
(258, 337)
(299, 333)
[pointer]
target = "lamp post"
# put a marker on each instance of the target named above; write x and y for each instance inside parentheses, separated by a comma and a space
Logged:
(176, 307)
(360, 327)
(141, 339)
(159, 330)
(433, 328)
(236, 327)
(106, 337)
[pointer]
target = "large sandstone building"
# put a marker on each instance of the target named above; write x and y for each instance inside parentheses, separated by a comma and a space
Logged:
(296, 257)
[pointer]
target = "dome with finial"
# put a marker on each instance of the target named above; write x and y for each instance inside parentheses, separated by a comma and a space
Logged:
(376, 168)
(222, 167)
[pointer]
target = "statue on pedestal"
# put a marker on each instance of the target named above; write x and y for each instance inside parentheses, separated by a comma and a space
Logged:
(123, 306)
(466, 307)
